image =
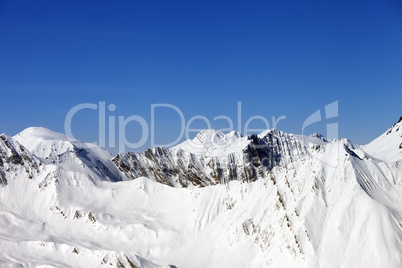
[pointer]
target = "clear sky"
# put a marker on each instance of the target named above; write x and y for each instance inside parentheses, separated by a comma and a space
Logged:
(277, 57)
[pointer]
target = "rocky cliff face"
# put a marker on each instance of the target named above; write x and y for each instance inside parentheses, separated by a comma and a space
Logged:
(247, 160)
(13, 158)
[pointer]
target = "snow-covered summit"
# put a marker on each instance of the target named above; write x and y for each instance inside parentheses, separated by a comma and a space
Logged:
(46, 143)
(68, 153)
(212, 142)
(41, 132)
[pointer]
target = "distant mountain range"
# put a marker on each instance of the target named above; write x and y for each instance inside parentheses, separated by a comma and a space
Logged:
(219, 200)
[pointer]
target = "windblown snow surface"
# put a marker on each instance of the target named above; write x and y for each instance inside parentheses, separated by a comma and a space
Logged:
(318, 203)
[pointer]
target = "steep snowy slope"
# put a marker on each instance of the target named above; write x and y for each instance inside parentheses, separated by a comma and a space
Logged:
(281, 200)
(388, 146)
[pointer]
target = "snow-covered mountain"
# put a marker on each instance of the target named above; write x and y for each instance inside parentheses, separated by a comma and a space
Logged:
(267, 200)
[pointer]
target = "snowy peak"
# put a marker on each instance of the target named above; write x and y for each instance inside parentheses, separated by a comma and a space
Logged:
(210, 136)
(234, 135)
(212, 142)
(210, 139)
(388, 146)
(69, 154)
(46, 143)
(41, 132)
(319, 136)
(214, 138)
(395, 127)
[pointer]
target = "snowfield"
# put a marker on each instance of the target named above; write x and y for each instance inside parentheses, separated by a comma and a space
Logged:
(215, 201)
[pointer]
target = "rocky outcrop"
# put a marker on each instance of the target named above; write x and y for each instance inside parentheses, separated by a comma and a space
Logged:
(14, 156)
(181, 168)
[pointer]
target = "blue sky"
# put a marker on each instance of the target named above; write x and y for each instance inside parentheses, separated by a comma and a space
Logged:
(277, 57)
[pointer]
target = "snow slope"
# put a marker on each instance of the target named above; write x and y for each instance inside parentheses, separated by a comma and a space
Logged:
(388, 146)
(311, 202)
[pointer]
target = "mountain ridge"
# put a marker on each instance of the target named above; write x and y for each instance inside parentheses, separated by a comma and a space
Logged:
(276, 200)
